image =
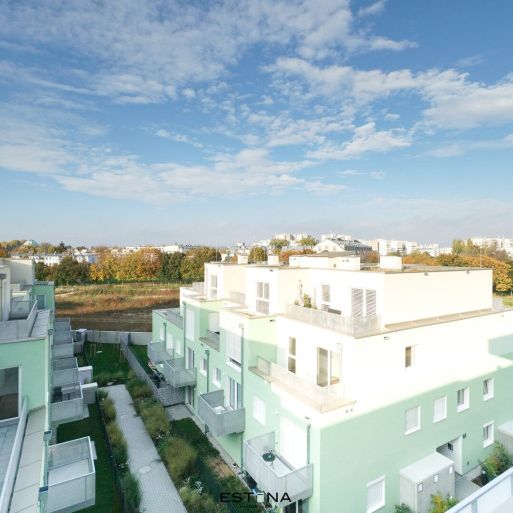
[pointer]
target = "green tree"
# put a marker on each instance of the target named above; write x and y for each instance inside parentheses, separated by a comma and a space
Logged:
(43, 272)
(308, 241)
(257, 254)
(71, 272)
(458, 246)
(192, 266)
(171, 267)
(278, 244)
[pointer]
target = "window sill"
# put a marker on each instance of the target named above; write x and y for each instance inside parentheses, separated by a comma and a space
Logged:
(488, 397)
(216, 384)
(412, 431)
(487, 443)
(439, 420)
(233, 365)
(462, 408)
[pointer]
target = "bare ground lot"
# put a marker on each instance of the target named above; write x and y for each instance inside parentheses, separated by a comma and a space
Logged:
(117, 307)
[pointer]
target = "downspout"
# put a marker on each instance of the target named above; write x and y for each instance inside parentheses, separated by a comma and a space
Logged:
(242, 365)
(184, 327)
(207, 353)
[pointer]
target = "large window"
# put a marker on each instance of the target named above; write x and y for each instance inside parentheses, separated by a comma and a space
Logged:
(262, 297)
(204, 366)
(233, 349)
(328, 367)
(463, 400)
(375, 494)
(325, 297)
(217, 377)
(412, 420)
(190, 325)
(9, 393)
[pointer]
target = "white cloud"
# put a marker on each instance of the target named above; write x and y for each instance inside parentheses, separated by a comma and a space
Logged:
(461, 147)
(373, 9)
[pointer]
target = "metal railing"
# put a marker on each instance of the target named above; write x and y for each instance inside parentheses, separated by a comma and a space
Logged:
(62, 337)
(212, 339)
(12, 465)
(62, 324)
(277, 477)
(322, 398)
(157, 352)
(63, 351)
(237, 297)
(67, 403)
(177, 375)
(354, 326)
(64, 371)
(220, 420)
(71, 476)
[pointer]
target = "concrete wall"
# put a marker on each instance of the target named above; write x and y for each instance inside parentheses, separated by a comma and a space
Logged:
(138, 338)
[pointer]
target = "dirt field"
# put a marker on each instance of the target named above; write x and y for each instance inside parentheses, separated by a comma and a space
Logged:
(114, 307)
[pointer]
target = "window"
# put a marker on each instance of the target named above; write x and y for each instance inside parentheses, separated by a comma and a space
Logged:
(292, 355)
(462, 399)
(259, 410)
(190, 324)
(217, 377)
(440, 409)
(409, 356)
(412, 420)
(190, 358)
(328, 367)
(234, 397)
(213, 286)
(487, 389)
(488, 434)
(420, 487)
(262, 297)
(436, 477)
(375, 494)
(9, 393)
(233, 349)
(163, 333)
(325, 297)
(363, 302)
(203, 366)
(169, 341)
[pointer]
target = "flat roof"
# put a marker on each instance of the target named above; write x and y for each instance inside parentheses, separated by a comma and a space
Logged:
(426, 467)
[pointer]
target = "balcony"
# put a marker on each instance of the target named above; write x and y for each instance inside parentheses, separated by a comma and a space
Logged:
(20, 324)
(20, 309)
(64, 371)
(62, 337)
(67, 403)
(71, 476)
(276, 477)
(173, 316)
(220, 420)
(211, 339)
(157, 352)
(353, 326)
(61, 324)
(323, 399)
(177, 375)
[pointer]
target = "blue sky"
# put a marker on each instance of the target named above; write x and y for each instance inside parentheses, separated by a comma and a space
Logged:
(161, 121)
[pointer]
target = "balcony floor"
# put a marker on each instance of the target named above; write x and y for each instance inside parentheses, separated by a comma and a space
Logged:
(67, 472)
(7, 435)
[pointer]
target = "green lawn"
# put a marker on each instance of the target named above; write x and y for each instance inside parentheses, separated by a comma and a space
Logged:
(107, 494)
(109, 363)
(141, 353)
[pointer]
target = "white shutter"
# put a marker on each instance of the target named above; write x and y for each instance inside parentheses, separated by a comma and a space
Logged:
(233, 347)
(370, 302)
(375, 494)
(292, 443)
(357, 302)
(439, 409)
(412, 419)
(190, 325)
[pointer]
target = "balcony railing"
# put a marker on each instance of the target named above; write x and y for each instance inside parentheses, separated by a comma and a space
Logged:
(62, 337)
(212, 339)
(220, 419)
(20, 309)
(322, 398)
(354, 326)
(173, 316)
(65, 371)
(71, 476)
(177, 375)
(67, 403)
(157, 352)
(237, 297)
(66, 350)
(276, 477)
(62, 324)
(19, 328)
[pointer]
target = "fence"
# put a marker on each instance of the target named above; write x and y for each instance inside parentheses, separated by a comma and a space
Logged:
(138, 338)
(166, 394)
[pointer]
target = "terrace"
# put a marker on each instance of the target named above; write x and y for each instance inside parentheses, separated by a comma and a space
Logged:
(220, 419)
(67, 403)
(177, 375)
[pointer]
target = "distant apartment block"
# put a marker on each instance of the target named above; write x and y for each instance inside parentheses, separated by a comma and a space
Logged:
(41, 386)
(498, 243)
(342, 387)
(434, 250)
(341, 245)
(386, 246)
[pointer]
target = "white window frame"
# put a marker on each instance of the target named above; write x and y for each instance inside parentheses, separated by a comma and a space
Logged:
(491, 434)
(203, 366)
(490, 394)
(444, 399)
(230, 340)
(262, 303)
(417, 426)
(466, 399)
(412, 357)
(213, 286)
(291, 356)
(325, 303)
(259, 410)
(215, 381)
(374, 507)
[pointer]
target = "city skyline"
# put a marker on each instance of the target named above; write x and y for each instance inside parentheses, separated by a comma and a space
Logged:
(136, 123)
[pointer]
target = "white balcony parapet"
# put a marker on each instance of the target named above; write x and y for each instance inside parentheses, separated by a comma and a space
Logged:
(62, 337)
(62, 324)
(63, 351)
(20, 309)
(277, 477)
(19, 328)
(12, 464)
(323, 399)
(212, 339)
(198, 287)
(237, 297)
(173, 316)
(354, 326)
(157, 352)
(71, 476)
(67, 403)
(221, 420)
(64, 371)
(177, 375)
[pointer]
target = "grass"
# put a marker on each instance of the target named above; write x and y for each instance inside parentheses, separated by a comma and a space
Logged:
(116, 307)
(109, 363)
(107, 495)
(141, 353)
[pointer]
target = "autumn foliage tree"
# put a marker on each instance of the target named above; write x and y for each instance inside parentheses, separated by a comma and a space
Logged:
(257, 254)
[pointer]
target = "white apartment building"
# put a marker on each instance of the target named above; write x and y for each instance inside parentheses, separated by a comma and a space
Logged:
(434, 249)
(387, 246)
(500, 243)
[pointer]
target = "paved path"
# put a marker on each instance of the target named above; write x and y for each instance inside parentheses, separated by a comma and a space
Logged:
(158, 493)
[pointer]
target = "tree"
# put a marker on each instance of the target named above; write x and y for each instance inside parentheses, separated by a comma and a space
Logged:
(308, 241)
(285, 255)
(442, 504)
(171, 265)
(106, 268)
(70, 272)
(278, 244)
(43, 272)
(458, 246)
(192, 266)
(257, 254)
(420, 258)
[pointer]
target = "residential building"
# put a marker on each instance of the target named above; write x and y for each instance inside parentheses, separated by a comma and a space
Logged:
(498, 243)
(337, 386)
(41, 386)
(386, 246)
(434, 249)
(341, 245)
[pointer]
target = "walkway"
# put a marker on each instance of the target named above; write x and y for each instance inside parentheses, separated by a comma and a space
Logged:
(158, 493)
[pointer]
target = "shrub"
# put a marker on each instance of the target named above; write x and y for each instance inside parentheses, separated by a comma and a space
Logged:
(155, 421)
(197, 502)
(131, 490)
(187, 429)
(118, 443)
(102, 395)
(440, 504)
(138, 389)
(179, 457)
(109, 410)
(403, 509)
(497, 463)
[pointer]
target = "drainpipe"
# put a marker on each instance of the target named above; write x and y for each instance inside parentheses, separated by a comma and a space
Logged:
(184, 326)
(308, 429)
(207, 353)
(242, 364)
